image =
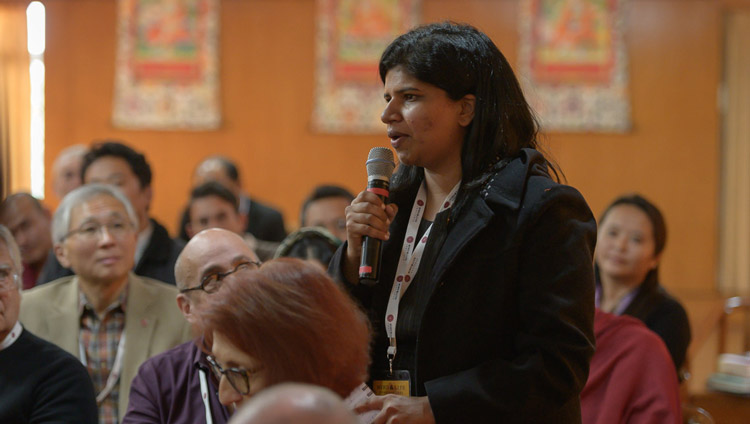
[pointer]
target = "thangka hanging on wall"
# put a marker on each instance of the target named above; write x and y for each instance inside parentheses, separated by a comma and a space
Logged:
(573, 64)
(350, 37)
(166, 75)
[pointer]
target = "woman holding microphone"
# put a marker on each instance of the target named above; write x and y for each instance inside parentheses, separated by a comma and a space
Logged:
(484, 307)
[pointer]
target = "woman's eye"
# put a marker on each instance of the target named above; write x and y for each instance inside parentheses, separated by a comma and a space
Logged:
(409, 97)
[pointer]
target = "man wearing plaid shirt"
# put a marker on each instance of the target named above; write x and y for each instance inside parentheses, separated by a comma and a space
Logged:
(109, 318)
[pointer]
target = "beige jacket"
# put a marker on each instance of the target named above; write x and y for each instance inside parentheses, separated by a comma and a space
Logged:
(153, 322)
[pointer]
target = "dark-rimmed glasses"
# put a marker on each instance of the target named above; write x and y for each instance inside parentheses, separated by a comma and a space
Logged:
(212, 282)
(237, 377)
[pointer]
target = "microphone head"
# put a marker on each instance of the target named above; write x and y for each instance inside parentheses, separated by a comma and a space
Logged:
(380, 163)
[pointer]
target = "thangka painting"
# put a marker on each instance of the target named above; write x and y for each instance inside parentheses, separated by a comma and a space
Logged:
(350, 37)
(573, 64)
(166, 75)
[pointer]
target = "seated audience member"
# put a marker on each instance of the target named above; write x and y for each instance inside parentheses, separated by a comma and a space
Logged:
(105, 315)
(631, 377)
(295, 403)
(39, 382)
(262, 221)
(630, 241)
(326, 207)
(115, 163)
(29, 221)
(169, 387)
(314, 244)
(66, 170)
(287, 322)
(214, 206)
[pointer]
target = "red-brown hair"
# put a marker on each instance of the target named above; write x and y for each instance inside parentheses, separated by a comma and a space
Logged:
(297, 322)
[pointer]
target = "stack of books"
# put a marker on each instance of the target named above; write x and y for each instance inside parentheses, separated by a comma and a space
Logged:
(733, 375)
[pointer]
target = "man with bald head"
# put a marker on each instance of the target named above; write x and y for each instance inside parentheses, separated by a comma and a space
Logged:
(66, 170)
(29, 222)
(177, 386)
(295, 403)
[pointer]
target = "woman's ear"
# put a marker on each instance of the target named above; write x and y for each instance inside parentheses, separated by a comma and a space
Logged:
(655, 261)
(466, 115)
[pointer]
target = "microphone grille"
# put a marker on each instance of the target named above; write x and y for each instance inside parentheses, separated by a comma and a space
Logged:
(380, 163)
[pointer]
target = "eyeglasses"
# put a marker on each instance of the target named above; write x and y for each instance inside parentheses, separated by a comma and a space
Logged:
(212, 282)
(93, 230)
(8, 279)
(238, 377)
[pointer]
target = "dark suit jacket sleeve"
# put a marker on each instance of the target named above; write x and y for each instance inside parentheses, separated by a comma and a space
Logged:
(143, 404)
(66, 395)
(555, 306)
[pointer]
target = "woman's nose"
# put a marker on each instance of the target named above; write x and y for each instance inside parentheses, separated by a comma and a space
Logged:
(227, 394)
(389, 113)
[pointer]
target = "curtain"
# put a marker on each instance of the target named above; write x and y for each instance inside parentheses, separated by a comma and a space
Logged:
(734, 244)
(14, 99)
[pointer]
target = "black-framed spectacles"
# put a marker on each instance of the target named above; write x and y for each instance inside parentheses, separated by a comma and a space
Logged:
(212, 282)
(238, 377)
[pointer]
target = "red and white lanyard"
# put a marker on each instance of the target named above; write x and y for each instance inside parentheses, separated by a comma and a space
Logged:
(114, 375)
(408, 264)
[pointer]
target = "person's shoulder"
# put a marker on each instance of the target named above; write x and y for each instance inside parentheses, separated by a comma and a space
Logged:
(59, 284)
(180, 356)
(49, 291)
(50, 356)
(628, 332)
(524, 184)
(160, 238)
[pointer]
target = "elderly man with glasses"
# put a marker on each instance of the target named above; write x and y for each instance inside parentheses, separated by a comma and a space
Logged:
(36, 376)
(177, 385)
(109, 318)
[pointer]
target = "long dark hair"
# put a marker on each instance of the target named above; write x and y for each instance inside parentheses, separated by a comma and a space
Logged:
(462, 60)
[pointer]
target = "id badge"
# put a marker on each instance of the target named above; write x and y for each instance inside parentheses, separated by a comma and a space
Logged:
(398, 383)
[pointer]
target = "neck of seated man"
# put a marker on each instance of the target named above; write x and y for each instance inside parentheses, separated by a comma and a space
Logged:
(101, 294)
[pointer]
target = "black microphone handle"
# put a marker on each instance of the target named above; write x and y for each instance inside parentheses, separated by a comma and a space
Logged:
(369, 267)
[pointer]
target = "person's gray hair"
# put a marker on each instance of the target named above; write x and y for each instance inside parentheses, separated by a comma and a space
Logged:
(15, 253)
(61, 219)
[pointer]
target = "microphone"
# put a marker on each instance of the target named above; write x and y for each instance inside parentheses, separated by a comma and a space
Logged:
(379, 169)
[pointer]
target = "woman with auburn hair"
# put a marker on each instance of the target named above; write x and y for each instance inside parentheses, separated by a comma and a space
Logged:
(286, 322)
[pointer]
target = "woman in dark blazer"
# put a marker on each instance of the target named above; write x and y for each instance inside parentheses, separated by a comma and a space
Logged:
(631, 239)
(487, 259)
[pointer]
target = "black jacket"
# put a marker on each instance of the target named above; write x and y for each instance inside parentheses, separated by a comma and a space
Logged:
(506, 330)
(263, 221)
(663, 315)
(157, 261)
